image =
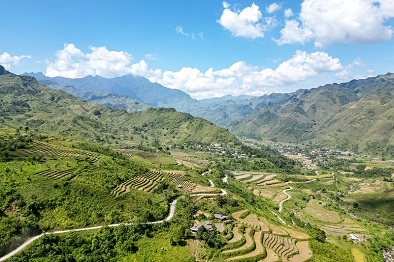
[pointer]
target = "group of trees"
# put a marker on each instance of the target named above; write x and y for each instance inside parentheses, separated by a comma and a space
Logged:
(106, 244)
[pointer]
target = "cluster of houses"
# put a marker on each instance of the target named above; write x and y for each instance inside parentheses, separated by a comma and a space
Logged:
(208, 224)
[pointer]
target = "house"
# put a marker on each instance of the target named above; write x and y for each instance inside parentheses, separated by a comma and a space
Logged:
(195, 227)
(208, 225)
(220, 217)
(353, 237)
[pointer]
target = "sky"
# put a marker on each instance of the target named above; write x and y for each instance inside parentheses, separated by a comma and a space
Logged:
(207, 48)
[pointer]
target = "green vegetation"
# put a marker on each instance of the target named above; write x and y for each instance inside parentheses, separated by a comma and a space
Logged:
(355, 116)
(23, 101)
(67, 164)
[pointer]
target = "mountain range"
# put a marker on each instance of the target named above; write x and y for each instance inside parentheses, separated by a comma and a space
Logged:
(356, 116)
(26, 103)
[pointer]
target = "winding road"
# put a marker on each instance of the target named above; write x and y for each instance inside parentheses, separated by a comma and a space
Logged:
(168, 218)
(284, 200)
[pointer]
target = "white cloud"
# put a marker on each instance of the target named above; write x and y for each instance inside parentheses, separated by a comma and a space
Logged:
(356, 70)
(300, 67)
(344, 21)
(272, 8)
(8, 60)
(179, 30)
(241, 78)
(238, 79)
(71, 62)
(151, 56)
(288, 13)
(245, 23)
(293, 33)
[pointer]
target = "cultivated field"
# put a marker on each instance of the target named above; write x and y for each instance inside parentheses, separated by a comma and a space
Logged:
(315, 208)
(146, 182)
(268, 243)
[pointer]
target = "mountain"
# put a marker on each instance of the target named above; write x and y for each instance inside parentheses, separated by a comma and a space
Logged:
(136, 88)
(25, 102)
(358, 116)
(106, 98)
(134, 93)
(353, 116)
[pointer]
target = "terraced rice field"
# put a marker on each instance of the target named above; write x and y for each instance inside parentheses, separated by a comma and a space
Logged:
(258, 251)
(267, 247)
(67, 174)
(348, 226)
(249, 243)
(272, 242)
(236, 235)
(284, 247)
(317, 211)
(56, 174)
(185, 185)
(255, 179)
(241, 177)
(146, 182)
(304, 252)
(44, 149)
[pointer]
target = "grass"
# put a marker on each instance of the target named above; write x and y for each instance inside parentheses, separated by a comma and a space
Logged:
(375, 206)
(358, 256)
(317, 210)
(159, 249)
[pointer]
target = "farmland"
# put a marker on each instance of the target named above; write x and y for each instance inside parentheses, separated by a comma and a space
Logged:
(137, 186)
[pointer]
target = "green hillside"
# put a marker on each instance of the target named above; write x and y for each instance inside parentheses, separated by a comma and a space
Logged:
(357, 116)
(25, 103)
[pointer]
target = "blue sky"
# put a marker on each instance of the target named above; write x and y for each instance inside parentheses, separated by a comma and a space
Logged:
(206, 48)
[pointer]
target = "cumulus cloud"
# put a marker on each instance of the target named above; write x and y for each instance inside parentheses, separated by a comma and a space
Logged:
(238, 79)
(71, 62)
(272, 8)
(241, 78)
(300, 67)
(8, 60)
(344, 21)
(243, 23)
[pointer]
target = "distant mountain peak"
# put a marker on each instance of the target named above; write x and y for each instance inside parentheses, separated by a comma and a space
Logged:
(3, 71)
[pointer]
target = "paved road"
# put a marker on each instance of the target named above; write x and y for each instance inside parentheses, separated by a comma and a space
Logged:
(168, 218)
(24, 245)
(284, 200)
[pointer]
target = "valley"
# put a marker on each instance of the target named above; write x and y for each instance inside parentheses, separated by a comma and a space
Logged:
(82, 182)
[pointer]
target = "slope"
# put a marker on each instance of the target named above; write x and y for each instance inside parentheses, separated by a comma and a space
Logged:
(136, 88)
(24, 102)
(357, 116)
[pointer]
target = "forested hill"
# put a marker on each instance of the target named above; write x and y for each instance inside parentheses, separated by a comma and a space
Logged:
(26, 103)
(357, 116)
